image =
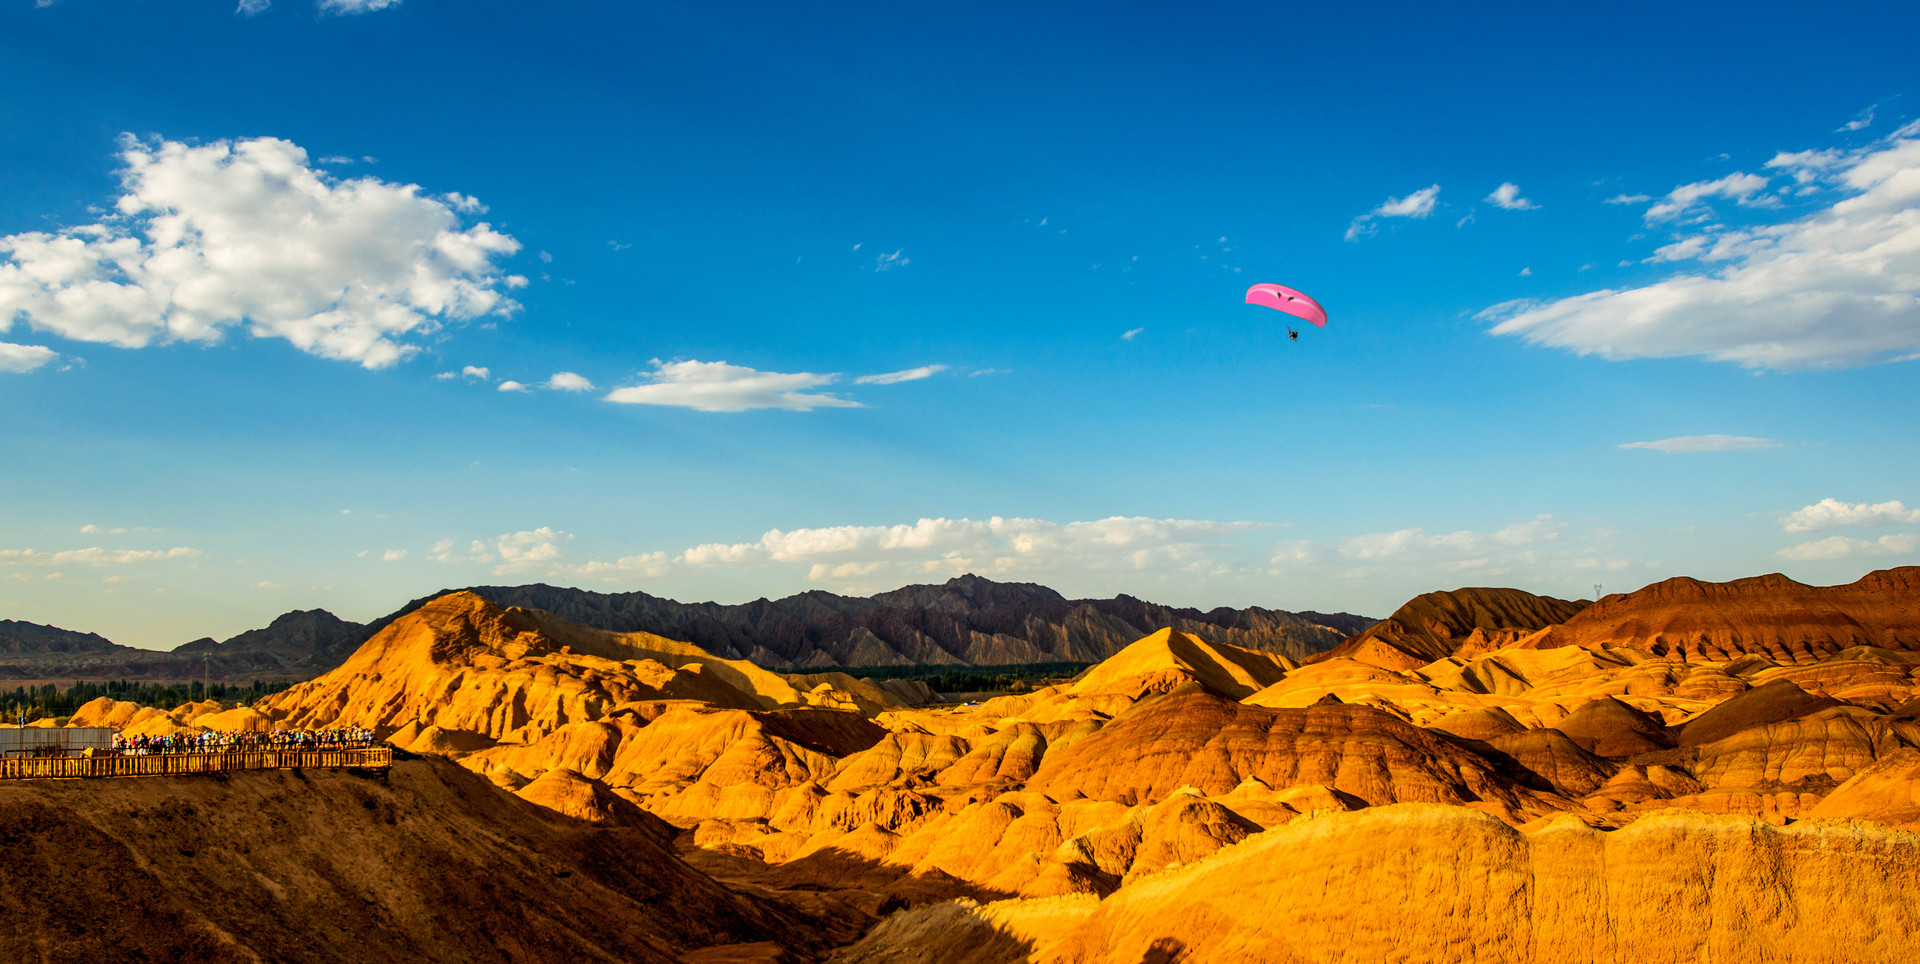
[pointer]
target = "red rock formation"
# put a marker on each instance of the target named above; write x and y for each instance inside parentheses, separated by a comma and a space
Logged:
(1436, 625)
(1771, 615)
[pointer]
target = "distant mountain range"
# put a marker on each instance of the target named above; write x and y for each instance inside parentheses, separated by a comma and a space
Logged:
(967, 621)
(296, 646)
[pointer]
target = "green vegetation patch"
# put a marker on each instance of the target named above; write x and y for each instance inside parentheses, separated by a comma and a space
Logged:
(39, 702)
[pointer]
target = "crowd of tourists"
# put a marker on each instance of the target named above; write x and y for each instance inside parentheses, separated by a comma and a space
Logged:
(346, 736)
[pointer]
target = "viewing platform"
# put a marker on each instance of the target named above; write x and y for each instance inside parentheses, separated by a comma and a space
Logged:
(216, 761)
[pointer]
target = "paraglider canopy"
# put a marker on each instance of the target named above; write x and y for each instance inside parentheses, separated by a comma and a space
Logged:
(1288, 300)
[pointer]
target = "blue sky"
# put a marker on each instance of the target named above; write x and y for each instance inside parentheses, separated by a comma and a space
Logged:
(334, 304)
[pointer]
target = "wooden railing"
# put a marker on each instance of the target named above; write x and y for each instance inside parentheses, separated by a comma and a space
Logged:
(170, 764)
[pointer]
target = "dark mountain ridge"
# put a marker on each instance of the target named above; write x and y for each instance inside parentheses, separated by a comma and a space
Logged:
(966, 621)
(295, 646)
(18, 638)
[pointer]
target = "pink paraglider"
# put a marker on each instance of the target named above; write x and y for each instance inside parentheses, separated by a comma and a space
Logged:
(1288, 300)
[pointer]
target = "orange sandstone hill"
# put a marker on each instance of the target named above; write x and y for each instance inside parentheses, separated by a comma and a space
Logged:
(1497, 776)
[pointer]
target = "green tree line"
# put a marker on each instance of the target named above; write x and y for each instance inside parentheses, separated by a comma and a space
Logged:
(49, 700)
(967, 679)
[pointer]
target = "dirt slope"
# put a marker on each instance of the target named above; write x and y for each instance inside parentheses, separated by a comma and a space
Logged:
(326, 866)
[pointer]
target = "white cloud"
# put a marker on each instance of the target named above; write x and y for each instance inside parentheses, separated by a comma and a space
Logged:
(447, 550)
(1703, 443)
(1628, 198)
(1131, 333)
(1836, 288)
(1738, 186)
(516, 553)
(393, 555)
(905, 375)
(245, 233)
(251, 7)
(1416, 559)
(95, 556)
(720, 387)
(512, 386)
(1507, 196)
(529, 550)
(24, 358)
(1524, 272)
(1859, 122)
(1382, 545)
(885, 556)
(568, 382)
(445, 376)
(1840, 547)
(475, 371)
(1419, 204)
(1834, 514)
(355, 6)
(888, 262)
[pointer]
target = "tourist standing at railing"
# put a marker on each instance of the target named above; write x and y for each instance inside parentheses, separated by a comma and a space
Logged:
(214, 742)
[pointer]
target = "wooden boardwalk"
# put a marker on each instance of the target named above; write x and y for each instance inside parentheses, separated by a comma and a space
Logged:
(171, 764)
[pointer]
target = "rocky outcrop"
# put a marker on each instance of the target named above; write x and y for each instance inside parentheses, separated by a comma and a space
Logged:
(1439, 624)
(1196, 739)
(1424, 882)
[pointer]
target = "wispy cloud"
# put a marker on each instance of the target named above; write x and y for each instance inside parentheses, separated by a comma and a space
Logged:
(1859, 122)
(1131, 333)
(355, 6)
(720, 387)
(1835, 514)
(95, 556)
(1739, 187)
(1629, 199)
(1681, 444)
(1836, 288)
(1507, 196)
(1417, 556)
(1419, 204)
(1841, 547)
(888, 262)
(475, 371)
(905, 375)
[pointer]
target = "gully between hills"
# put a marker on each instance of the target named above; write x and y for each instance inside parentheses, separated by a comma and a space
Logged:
(1692, 772)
